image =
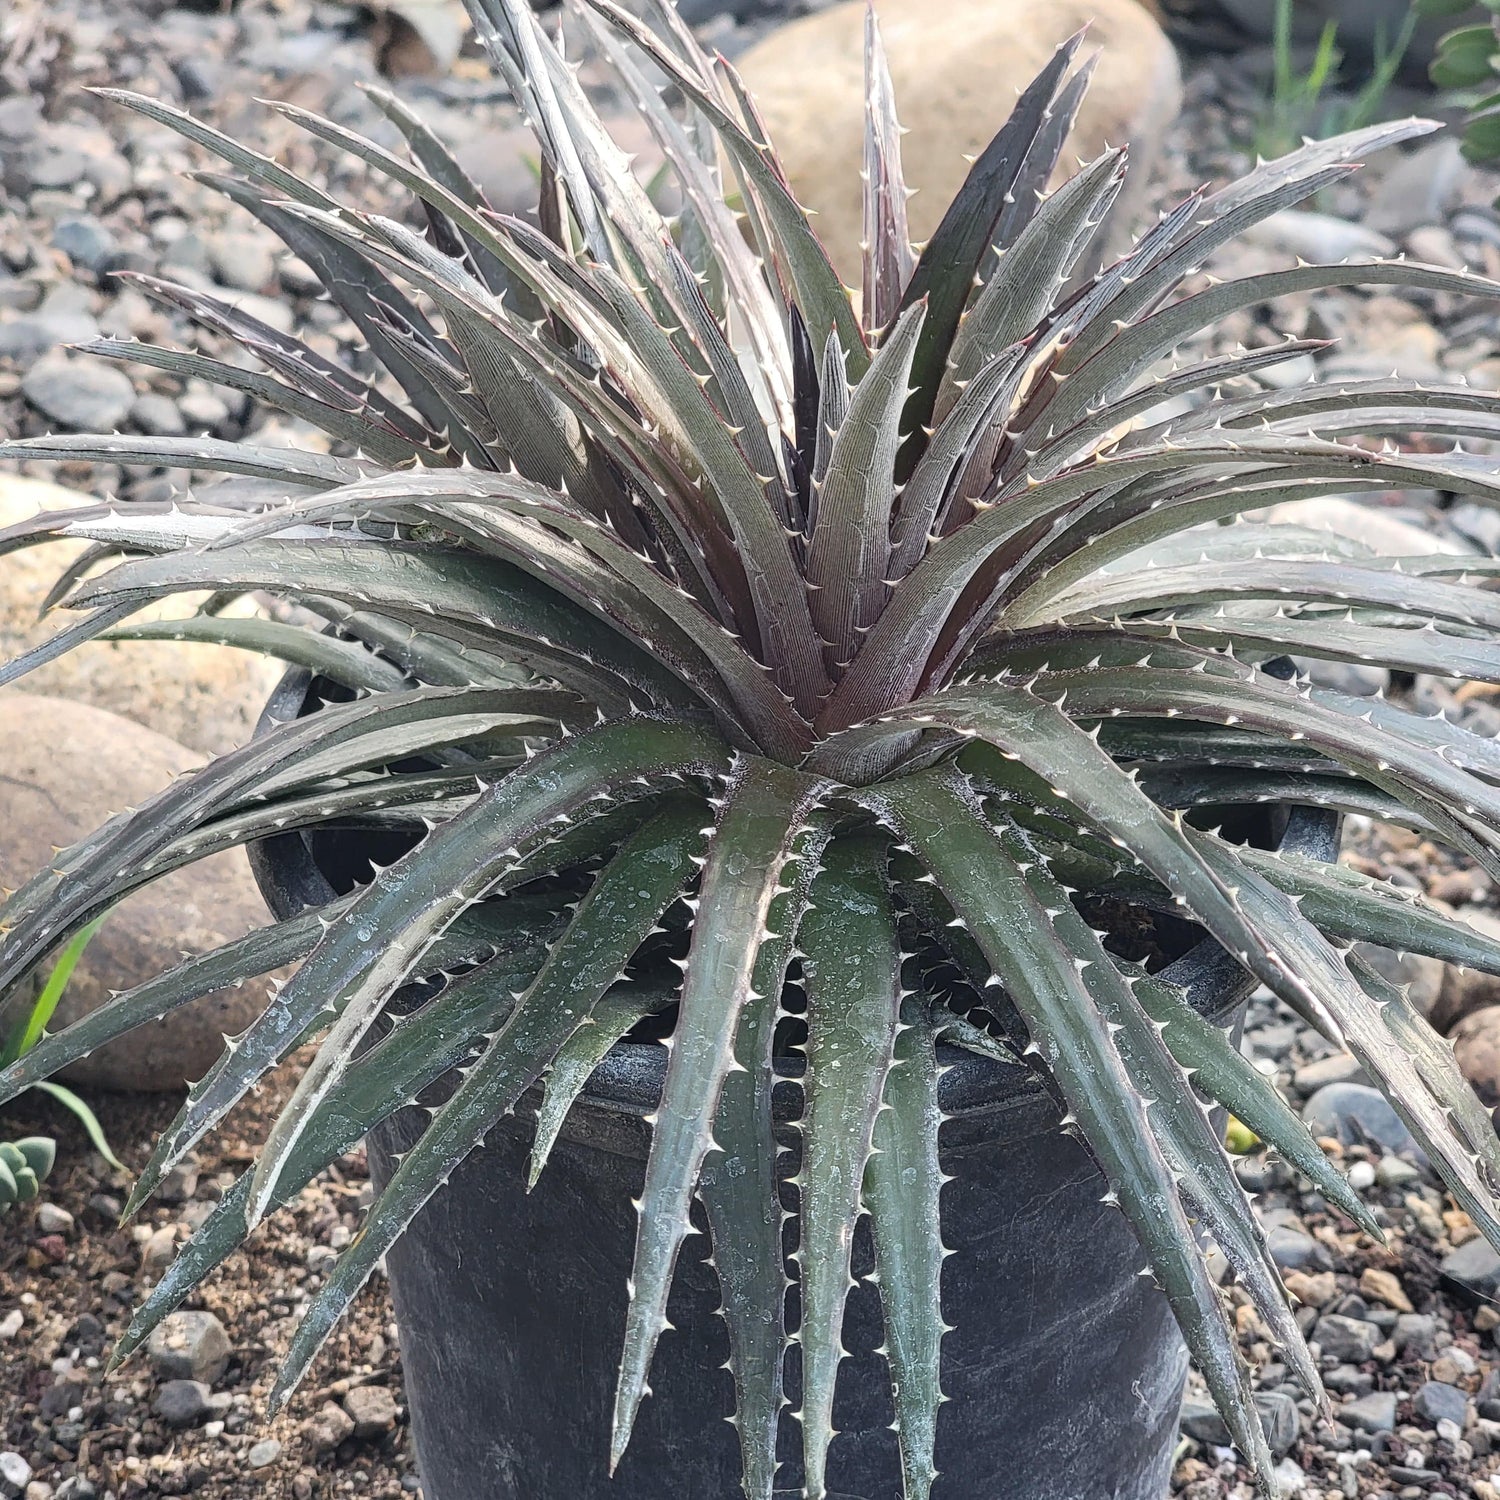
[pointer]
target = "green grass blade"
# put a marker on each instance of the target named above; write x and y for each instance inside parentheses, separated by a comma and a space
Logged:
(257, 953)
(47, 1001)
(86, 1117)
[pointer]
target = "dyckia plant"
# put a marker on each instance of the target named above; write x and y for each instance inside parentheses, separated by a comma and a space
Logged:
(686, 614)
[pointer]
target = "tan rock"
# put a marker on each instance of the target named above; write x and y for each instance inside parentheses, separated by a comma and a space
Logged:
(1476, 1045)
(205, 697)
(1316, 1289)
(1383, 1286)
(1465, 991)
(956, 68)
(67, 767)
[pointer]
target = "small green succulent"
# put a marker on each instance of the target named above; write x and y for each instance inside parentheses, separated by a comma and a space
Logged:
(24, 1166)
(805, 674)
(1468, 61)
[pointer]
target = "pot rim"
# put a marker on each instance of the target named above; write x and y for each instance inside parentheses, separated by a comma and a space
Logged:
(630, 1077)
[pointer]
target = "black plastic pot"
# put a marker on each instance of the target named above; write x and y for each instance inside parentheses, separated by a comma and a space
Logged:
(1064, 1371)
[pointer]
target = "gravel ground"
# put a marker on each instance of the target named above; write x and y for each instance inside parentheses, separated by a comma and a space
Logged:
(87, 192)
(69, 1277)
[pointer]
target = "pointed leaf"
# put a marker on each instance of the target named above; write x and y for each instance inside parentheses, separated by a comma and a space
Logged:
(762, 818)
(852, 970)
(623, 905)
(376, 943)
(888, 258)
(903, 1189)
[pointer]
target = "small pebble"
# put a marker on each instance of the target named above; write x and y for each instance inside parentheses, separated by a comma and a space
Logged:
(15, 1475)
(373, 1410)
(1373, 1413)
(85, 241)
(182, 1403)
(1314, 1290)
(203, 409)
(180, 1183)
(1436, 1401)
(157, 416)
(51, 1219)
(189, 1346)
(1393, 1171)
(158, 1249)
(1385, 1287)
(241, 260)
(263, 1454)
(1344, 1338)
(321, 1258)
(330, 1427)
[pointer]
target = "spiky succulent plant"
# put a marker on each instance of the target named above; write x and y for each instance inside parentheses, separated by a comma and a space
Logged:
(681, 612)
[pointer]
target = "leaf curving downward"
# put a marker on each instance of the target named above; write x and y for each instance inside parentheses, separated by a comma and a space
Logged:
(647, 874)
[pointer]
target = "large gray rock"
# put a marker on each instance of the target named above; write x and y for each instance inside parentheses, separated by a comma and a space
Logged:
(206, 697)
(1437, 1402)
(66, 769)
(1476, 1048)
(83, 393)
(1345, 1339)
(1475, 1268)
(1373, 1413)
(1353, 1115)
(956, 69)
